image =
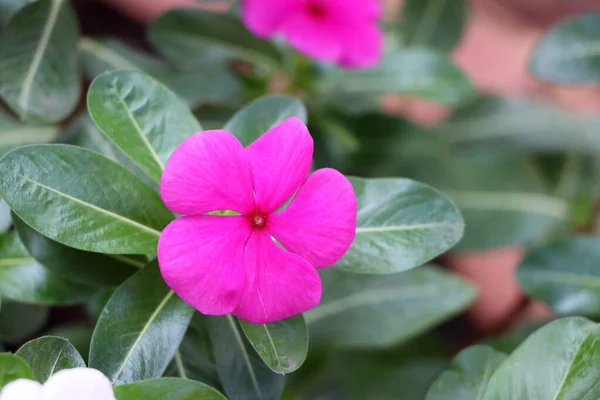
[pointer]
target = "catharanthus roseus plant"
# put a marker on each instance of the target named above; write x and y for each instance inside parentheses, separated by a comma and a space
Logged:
(231, 264)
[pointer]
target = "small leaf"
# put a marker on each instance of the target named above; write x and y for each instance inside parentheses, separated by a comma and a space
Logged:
(282, 345)
(568, 53)
(78, 334)
(19, 321)
(401, 224)
(375, 311)
(262, 114)
(167, 389)
(140, 329)
(142, 117)
(39, 72)
(468, 375)
(12, 368)
(243, 374)
(48, 355)
(14, 133)
(83, 200)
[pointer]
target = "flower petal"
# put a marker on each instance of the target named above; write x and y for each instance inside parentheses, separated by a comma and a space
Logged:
(22, 389)
(209, 171)
(202, 259)
(357, 9)
(283, 284)
(78, 384)
(319, 224)
(264, 17)
(317, 38)
(362, 45)
(280, 161)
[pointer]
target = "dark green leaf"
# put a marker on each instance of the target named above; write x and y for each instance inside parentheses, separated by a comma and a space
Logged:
(82, 199)
(142, 117)
(569, 53)
(78, 334)
(12, 368)
(262, 114)
(167, 389)
(19, 321)
(48, 355)
(139, 329)
(282, 345)
(401, 225)
(8, 8)
(243, 374)
(14, 133)
(39, 72)
(468, 375)
(373, 311)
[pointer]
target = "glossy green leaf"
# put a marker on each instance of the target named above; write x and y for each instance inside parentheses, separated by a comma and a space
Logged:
(433, 23)
(14, 133)
(568, 53)
(262, 114)
(24, 280)
(78, 334)
(39, 72)
(564, 274)
(420, 72)
(94, 269)
(375, 311)
(243, 374)
(139, 329)
(401, 224)
(19, 321)
(559, 361)
(167, 389)
(12, 368)
(282, 345)
(81, 199)
(468, 375)
(142, 117)
(192, 38)
(48, 355)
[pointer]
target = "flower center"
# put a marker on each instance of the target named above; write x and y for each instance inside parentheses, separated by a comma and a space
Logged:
(316, 8)
(258, 219)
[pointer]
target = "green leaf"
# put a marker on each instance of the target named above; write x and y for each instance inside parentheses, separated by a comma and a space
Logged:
(401, 224)
(434, 23)
(8, 8)
(81, 199)
(559, 361)
(420, 72)
(262, 114)
(19, 321)
(569, 53)
(94, 269)
(468, 375)
(282, 345)
(192, 38)
(39, 72)
(5, 218)
(142, 117)
(564, 274)
(24, 280)
(48, 355)
(14, 133)
(375, 311)
(167, 389)
(139, 329)
(12, 368)
(78, 334)
(243, 374)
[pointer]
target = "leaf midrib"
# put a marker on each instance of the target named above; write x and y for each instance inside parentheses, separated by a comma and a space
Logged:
(393, 228)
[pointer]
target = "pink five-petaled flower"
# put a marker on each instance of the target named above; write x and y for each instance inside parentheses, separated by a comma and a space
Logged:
(223, 264)
(343, 32)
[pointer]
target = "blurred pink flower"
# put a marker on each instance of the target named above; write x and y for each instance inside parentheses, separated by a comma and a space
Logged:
(343, 32)
(230, 264)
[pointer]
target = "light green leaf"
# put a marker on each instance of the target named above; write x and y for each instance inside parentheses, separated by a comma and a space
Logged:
(468, 375)
(282, 345)
(83, 200)
(142, 117)
(12, 368)
(375, 311)
(401, 224)
(167, 389)
(140, 329)
(14, 133)
(39, 72)
(5, 218)
(19, 321)
(48, 355)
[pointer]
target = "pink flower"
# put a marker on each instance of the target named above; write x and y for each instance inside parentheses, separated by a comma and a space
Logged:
(230, 264)
(344, 32)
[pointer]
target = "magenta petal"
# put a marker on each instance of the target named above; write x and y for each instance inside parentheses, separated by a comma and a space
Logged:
(280, 161)
(363, 45)
(209, 171)
(317, 38)
(264, 17)
(356, 9)
(202, 259)
(283, 284)
(320, 222)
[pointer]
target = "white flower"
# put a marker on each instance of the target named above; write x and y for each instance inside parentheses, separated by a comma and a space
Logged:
(68, 384)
